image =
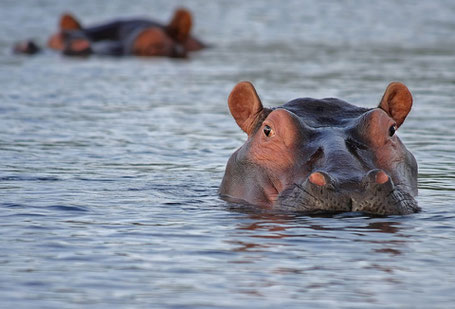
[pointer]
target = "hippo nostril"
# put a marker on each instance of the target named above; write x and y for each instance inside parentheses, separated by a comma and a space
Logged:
(376, 177)
(317, 179)
(381, 177)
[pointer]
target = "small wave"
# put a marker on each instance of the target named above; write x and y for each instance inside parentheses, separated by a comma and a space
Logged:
(51, 207)
(29, 178)
(67, 208)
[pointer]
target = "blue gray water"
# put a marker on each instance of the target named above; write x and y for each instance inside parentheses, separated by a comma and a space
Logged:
(109, 167)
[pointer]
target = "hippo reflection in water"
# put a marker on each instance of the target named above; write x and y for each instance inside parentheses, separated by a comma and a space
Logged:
(323, 155)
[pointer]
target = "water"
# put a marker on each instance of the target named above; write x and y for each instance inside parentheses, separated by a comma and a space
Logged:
(110, 167)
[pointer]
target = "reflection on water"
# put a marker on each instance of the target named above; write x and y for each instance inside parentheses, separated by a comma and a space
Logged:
(110, 167)
(279, 226)
(319, 248)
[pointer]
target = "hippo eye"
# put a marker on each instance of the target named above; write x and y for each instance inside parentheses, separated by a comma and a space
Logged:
(392, 130)
(267, 130)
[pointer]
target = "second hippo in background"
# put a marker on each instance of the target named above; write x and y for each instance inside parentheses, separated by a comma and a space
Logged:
(322, 155)
(135, 36)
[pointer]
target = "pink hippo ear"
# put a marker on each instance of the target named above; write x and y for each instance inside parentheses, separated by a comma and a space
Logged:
(179, 27)
(397, 102)
(245, 106)
(69, 22)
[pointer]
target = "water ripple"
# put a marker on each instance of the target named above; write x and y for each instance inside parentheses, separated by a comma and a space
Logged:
(110, 167)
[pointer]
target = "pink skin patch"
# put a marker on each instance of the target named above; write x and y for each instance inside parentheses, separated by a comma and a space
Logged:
(80, 45)
(317, 179)
(381, 177)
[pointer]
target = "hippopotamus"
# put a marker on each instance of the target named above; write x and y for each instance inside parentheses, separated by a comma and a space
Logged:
(136, 36)
(322, 155)
(26, 47)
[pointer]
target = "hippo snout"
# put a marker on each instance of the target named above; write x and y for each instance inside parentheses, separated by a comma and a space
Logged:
(375, 194)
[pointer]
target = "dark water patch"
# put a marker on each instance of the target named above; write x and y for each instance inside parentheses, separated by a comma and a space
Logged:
(67, 208)
(21, 178)
(95, 179)
(34, 283)
(12, 205)
(48, 209)
(26, 214)
(136, 189)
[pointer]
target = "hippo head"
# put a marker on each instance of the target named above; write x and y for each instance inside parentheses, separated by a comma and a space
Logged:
(326, 155)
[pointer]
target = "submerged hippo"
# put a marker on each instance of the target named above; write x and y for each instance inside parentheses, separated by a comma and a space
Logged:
(135, 36)
(323, 155)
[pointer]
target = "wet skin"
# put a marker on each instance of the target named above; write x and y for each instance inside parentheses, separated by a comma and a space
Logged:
(325, 155)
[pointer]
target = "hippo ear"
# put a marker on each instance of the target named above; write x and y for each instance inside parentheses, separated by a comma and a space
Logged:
(245, 106)
(179, 27)
(397, 102)
(69, 22)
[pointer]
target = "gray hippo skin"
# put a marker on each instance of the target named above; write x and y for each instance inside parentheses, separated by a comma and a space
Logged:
(326, 155)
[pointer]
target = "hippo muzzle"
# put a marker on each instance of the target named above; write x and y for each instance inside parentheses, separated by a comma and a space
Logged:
(375, 194)
(326, 155)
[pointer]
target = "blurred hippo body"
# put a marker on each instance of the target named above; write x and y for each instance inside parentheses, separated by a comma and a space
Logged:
(324, 155)
(138, 37)
(114, 38)
(134, 36)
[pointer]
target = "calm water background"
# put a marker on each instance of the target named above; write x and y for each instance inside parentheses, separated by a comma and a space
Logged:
(110, 167)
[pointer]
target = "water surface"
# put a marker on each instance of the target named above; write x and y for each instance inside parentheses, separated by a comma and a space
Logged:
(110, 167)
